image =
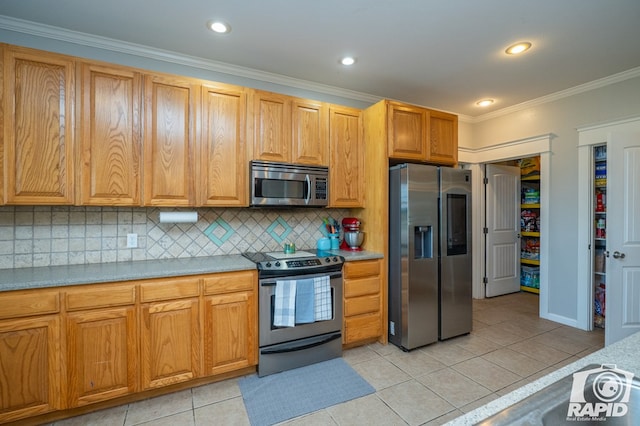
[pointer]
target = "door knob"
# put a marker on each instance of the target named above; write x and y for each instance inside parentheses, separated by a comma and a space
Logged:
(618, 255)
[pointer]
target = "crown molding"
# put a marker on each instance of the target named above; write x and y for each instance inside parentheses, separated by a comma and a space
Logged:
(84, 39)
(595, 84)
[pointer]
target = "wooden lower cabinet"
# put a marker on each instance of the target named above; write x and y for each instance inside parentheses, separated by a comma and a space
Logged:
(29, 367)
(170, 341)
(75, 346)
(230, 322)
(363, 311)
(101, 342)
(101, 354)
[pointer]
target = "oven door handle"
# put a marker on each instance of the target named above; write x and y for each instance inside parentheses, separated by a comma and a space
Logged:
(297, 347)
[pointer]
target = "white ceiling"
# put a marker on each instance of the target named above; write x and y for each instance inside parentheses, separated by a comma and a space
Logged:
(444, 54)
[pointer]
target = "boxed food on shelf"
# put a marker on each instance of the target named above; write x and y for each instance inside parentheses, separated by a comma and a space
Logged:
(530, 276)
(600, 153)
(530, 196)
(601, 174)
(530, 248)
(599, 261)
(599, 305)
(529, 221)
(530, 167)
(601, 228)
(601, 201)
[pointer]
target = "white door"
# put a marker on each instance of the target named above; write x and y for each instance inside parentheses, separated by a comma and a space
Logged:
(503, 230)
(623, 234)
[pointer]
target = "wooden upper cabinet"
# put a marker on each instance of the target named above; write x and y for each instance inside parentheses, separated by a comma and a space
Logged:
(443, 138)
(289, 129)
(110, 135)
(271, 126)
(408, 129)
(170, 141)
(310, 132)
(224, 162)
(346, 174)
(38, 98)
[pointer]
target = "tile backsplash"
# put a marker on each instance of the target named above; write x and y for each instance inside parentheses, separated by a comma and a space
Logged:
(65, 235)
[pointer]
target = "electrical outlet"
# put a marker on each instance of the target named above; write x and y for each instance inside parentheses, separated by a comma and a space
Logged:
(132, 240)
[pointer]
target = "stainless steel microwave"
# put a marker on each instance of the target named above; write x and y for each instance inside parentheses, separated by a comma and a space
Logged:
(281, 184)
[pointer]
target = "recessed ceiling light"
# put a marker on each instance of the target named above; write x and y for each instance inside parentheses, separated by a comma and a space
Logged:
(348, 60)
(485, 102)
(219, 27)
(517, 48)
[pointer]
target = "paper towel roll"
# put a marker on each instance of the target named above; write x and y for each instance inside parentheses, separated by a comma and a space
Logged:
(178, 217)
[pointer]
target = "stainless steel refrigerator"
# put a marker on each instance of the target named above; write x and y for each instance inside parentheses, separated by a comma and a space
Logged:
(429, 254)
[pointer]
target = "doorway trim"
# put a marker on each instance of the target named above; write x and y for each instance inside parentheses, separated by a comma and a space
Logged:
(521, 148)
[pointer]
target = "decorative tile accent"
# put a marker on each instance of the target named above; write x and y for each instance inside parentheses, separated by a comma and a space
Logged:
(279, 230)
(224, 232)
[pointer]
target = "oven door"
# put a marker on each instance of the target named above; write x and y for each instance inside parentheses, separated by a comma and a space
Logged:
(271, 335)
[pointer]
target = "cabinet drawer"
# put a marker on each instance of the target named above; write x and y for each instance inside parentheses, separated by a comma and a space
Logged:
(230, 282)
(100, 296)
(361, 287)
(362, 305)
(171, 288)
(362, 268)
(362, 327)
(26, 303)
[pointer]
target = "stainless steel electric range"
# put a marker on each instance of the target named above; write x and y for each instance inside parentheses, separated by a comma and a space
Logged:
(299, 343)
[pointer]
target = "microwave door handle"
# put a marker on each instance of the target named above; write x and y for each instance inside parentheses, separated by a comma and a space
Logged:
(308, 186)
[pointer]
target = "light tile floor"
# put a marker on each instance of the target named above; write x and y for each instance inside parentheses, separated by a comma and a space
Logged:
(508, 347)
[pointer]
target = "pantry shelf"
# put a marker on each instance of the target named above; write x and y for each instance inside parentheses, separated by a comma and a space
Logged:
(530, 225)
(530, 234)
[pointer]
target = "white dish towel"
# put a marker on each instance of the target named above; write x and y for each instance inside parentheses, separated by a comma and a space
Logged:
(284, 309)
(323, 308)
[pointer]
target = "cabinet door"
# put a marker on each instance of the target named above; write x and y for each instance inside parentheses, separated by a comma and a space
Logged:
(170, 339)
(29, 367)
(230, 332)
(407, 127)
(223, 151)
(38, 127)
(443, 138)
(169, 141)
(231, 321)
(310, 136)
(101, 354)
(346, 173)
(272, 126)
(110, 136)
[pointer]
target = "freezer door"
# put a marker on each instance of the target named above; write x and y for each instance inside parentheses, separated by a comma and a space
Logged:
(455, 254)
(413, 256)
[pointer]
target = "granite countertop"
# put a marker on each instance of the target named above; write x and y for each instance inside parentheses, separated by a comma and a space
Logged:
(624, 354)
(93, 273)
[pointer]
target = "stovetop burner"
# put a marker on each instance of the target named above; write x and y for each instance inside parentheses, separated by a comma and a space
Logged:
(300, 262)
